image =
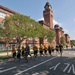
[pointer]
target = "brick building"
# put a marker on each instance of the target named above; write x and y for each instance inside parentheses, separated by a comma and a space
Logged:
(67, 39)
(4, 11)
(46, 23)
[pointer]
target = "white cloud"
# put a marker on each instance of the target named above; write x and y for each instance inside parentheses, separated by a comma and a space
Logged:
(74, 20)
(74, 31)
(72, 37)
(66, 30)
(40, 19)
(55, 22)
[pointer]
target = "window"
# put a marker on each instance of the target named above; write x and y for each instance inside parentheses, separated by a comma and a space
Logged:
(2, 15)
(36, 39)
(30, 38)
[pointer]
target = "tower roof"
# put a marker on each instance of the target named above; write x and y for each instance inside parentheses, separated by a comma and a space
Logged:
(47, 5)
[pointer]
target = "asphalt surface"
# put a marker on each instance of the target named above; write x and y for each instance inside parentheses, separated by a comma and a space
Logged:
(43, 65)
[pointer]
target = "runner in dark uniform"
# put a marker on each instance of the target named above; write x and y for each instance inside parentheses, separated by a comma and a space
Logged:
(45, 49)
(27, 51)
(61, 48)
(49, 50)
(14, 51)
(35, 49)
(19, 53)
(23, 51)
(41, 49)
(57, 49)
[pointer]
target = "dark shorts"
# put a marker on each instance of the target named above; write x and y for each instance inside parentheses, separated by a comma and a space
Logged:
(26, 53)
(56, 49)
(41, 51)
(14, 54)
(22, 53)
(35, 52)
(45, 51)
(18, 55)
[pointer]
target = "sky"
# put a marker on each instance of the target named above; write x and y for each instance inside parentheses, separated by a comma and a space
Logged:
(63, 11)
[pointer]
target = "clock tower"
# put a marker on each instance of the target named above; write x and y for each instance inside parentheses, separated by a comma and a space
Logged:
(48, 15)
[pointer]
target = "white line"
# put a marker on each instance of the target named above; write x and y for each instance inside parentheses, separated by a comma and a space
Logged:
(35, 66)
(7, 69)
(73, 69)
(52, 67)
(56, 66)
(66, 67)
(69, 69)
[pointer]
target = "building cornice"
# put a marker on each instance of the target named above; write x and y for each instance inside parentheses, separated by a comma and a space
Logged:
(7, 9)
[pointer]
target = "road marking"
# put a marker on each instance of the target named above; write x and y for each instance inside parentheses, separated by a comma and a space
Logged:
(71, 67)
(35, 66)
(55, 66)
(7, 69)
(66, 67)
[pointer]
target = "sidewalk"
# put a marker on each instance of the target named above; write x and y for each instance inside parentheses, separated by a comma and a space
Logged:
(9, 53)
(5, 53)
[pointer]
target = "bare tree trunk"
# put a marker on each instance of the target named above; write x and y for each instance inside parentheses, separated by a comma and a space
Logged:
(33, 40)
(7, 45)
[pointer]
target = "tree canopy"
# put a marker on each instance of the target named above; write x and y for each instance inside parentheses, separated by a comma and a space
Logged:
(72, 42)
(62, 40)
(21, 25)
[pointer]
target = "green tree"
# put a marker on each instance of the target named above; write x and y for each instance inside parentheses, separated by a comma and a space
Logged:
(62, 40)
(72, 42)
(50, 35)
(21, 25)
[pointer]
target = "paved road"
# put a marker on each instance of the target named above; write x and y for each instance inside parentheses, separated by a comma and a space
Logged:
(44, 65)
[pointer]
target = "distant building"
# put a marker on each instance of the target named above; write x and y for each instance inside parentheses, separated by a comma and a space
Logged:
(67, 39)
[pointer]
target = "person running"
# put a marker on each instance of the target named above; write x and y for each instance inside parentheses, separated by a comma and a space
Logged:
(35, 49)
(41, 49)
(57, 49)
(61, 49)
(49, 50)
(23, 50)
(45, 49)
(26, 53)
(52, 48)
(19, 53)
(14, 51)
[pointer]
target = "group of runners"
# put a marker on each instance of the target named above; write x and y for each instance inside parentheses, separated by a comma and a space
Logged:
(24, 51)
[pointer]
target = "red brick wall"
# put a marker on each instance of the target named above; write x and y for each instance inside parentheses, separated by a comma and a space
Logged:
(48, 18)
